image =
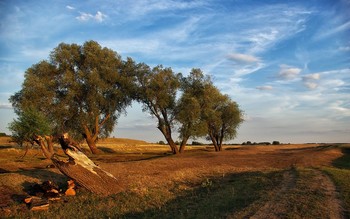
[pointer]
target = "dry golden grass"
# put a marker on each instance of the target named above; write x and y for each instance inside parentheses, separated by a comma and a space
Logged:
(149, 170)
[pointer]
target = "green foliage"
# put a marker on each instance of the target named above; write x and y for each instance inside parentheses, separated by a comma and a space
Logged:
(189, 106)
(75, 86)
(156, 90)
(197, 143)
(222, 116)
(29, 122)
(82, 86)
(161, 142)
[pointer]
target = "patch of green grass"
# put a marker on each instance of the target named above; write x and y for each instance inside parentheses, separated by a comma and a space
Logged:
(216, 198)
(340, 174)
(343, 162)
(213, 198)
(306, 199)
(341, 177)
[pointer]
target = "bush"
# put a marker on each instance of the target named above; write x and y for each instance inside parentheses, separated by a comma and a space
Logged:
(265, 143)
(196, 143)
(275, 142)
(161, 142)
(2, 134)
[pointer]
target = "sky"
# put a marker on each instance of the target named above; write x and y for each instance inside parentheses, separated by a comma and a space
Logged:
(286, 63)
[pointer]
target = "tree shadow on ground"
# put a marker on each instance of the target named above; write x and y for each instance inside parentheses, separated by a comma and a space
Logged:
(122, 158)
(216, 198)
(29, 187)
(107, 150)
(343, 162)
(5, 147)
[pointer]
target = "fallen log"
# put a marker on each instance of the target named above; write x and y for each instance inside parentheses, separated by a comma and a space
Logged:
(84, 171)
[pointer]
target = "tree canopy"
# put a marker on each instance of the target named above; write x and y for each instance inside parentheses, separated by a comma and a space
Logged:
(81, 89)
(29, 123)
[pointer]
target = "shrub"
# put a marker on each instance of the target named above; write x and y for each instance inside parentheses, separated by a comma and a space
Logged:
(275, 142)
(196, 143)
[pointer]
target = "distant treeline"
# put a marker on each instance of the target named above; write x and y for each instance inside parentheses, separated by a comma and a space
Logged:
(261, 143)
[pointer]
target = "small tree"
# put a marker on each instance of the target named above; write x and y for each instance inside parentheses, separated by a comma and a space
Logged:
(189, 107)
(31, 125)
(275, 142)
(222, 116)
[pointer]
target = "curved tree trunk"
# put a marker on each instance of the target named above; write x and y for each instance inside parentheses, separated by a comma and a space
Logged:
(183, 144)
(92, 145)
(49, 141)
(46, 149)
(92, 135)
(169, 139)
(215, 143)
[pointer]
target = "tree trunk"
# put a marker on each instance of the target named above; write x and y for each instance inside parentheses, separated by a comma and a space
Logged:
(172, 145)
(92, 145)
(85, 172)
(40, 141)
(49, 141)
(91, 136)
(167, 134)
(183, 144)
(215, 143)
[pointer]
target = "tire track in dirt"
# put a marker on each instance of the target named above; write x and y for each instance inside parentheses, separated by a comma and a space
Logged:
(278, 205)
(332, 201)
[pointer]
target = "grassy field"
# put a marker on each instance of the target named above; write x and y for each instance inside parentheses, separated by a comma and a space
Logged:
(285, 181)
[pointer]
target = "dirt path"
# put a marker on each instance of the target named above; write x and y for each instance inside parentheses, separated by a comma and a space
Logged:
(284, 201)
(277, 205)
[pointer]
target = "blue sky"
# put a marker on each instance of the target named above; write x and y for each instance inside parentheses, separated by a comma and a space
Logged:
(286, 63)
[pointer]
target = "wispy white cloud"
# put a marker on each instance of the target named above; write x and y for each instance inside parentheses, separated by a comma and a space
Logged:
(138, 8)
(315, 76)
(98, 17)
(242, 57)
(341, 107)
(70, 7)
(287, 72)
(344, 48)
(266, 87)
(5, 106)
(334, 30)
(310, 80)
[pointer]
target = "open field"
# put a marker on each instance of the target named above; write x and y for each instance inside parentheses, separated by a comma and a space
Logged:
(283, 181)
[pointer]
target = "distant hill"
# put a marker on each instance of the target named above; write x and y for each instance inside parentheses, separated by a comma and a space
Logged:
(126, 141)
(116, 141)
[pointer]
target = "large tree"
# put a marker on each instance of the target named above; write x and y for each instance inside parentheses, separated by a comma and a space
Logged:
(156, 90)
(81, 89)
